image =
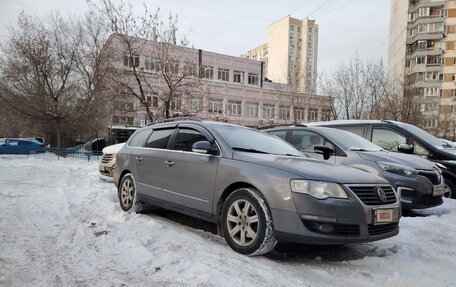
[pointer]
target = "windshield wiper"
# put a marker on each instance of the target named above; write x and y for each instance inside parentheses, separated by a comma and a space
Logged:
(361, 149)
(249, 150)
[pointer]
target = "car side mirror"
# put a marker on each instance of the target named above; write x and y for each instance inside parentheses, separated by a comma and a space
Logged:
(204, 147)
(405, 148)
(324, 150)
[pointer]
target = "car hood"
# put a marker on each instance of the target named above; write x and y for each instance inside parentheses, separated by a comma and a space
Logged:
(310, 168)
(115, 148)
(413, 161)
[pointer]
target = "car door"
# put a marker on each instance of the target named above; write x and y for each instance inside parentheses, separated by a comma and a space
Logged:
(305, 141)
(191, 175)
(151, 166)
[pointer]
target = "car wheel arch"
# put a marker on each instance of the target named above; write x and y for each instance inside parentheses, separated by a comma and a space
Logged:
(226, 192)
(122, 175)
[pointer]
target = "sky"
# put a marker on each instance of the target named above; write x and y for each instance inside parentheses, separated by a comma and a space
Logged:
(348, 28)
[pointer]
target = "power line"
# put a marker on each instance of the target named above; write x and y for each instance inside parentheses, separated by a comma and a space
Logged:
(318, 8)
(335, 9)
(299, 6)
(257, 18)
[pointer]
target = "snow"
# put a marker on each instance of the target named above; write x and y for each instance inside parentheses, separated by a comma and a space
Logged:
(60, 225)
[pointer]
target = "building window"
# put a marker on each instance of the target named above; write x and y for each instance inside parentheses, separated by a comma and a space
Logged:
(216, 106)
(122, 120)
(423, 12)
(171, 67)
(189, 69)
(238, 77)
(268, 111)
(151, 64)
(299, 114)
(443, 13)
(313, 115)
(223, 74)
(431, 92)
(326, 116)
(421, 60)
(284, 113)
(175, 105)
(194, 104)
(122, 106)
(251, 110)
(234, 108)
(207, 72)
(253, 79)
(131, 60)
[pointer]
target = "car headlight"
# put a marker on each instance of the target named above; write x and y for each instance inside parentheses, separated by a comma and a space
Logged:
(398, 169)
(318, 189)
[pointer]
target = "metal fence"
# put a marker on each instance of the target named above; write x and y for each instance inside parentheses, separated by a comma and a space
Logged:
(66, 153)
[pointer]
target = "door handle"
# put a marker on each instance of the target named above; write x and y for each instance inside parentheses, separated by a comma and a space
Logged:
(138, 158)
(169, 163)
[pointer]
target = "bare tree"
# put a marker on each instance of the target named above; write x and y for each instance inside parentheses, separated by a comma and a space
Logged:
(157, 63)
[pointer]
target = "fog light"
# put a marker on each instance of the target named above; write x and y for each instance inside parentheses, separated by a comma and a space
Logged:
(318, 218)
(326, 228)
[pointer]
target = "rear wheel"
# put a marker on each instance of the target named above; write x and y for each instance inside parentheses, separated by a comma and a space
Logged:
(247, 222)
(128, 199)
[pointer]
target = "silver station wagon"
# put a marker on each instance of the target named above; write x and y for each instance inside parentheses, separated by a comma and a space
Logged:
(258, 189)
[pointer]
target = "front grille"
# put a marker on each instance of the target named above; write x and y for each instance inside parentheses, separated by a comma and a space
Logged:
(433, 176)
(430, 200)
(339, 229)
(382, 228)
(368, 195)
(107, 158)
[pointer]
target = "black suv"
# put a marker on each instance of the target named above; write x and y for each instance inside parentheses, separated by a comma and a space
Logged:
(406, 138)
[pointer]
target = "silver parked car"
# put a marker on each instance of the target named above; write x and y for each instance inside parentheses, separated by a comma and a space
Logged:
(418, 182)
(256, 187)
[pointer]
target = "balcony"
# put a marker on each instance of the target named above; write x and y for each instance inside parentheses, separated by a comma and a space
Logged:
(425, 36)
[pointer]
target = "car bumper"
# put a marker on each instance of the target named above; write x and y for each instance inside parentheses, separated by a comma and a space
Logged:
(333, 221)
(107, 169)
(417, 192)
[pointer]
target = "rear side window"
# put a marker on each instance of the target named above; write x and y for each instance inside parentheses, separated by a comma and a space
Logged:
(280, 134)
(139, 138)
(387, 139)
(185, 139)
(358, 130)
(159, 138)
(306, 141)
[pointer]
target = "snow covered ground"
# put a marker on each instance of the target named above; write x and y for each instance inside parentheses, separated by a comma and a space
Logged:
(60, 225)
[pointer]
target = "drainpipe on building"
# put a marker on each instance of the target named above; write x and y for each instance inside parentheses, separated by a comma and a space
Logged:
(261, 75)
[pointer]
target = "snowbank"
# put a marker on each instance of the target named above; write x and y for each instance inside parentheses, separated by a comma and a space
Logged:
(60, 225)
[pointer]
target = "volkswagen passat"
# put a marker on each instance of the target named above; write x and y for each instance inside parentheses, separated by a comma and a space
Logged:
(256, 187)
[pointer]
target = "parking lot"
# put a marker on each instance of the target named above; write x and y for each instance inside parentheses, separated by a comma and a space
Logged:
(62, 226)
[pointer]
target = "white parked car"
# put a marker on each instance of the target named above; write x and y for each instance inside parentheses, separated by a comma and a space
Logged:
(108, 161)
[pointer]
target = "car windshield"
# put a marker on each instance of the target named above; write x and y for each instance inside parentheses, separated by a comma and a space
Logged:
(350, 141)
(249, 140)
(425, 136)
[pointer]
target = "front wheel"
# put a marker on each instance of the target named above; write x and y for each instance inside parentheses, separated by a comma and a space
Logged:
(451, 189)
(247, 222)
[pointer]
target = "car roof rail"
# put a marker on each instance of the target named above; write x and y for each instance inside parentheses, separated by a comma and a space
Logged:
(281, 125)
(177, 119)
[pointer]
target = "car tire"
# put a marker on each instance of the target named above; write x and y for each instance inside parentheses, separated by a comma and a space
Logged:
(452, 187)
(128, 199)
(247, 222)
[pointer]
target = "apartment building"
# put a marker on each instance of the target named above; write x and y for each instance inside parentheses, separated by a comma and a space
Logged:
(422, 49)
(290, 55)
(229, 89)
